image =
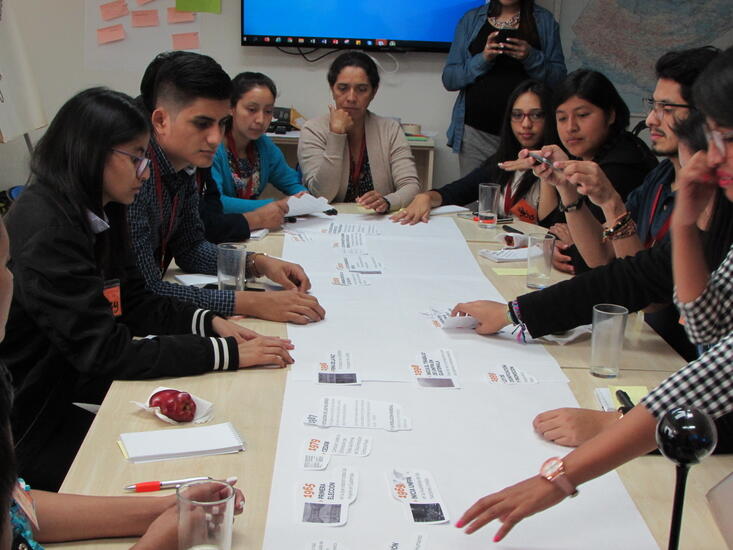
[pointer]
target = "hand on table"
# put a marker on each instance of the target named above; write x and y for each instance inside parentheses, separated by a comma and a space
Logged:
(572, 427)
(287, 274)
(269, 216)
(224, 328)
(287, 306)
(491, 316)
(340, 121)
(511, 505)
(374, 201)
(415, 212)
(265, 350)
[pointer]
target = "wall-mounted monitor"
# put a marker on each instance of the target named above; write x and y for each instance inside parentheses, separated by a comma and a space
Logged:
(382, 25)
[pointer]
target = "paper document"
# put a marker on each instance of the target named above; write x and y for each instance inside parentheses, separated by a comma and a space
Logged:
(324, 545)
(418, 491)
(352, 243)
(508, 374)
(306, 204)
(337, 369)
(363, 263)
(337, 228)
(460, 321)
(324, 498)
(447, 209)
(349, 279)
(318, 450)
(436, 369)
(416, 542)
(258, 234)
(348, 412)
(297, 236)
(504, 255)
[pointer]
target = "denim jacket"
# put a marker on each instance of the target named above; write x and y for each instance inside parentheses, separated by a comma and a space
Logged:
(461, 68)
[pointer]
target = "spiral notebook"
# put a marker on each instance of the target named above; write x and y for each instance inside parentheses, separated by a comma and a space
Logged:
(181, 443)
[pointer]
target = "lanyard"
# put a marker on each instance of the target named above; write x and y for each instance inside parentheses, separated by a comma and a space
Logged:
(164, 236)
(355, 175)
(665, 227)
(246, 191)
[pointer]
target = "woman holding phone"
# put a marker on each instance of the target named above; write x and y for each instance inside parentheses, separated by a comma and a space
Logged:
(496, 46)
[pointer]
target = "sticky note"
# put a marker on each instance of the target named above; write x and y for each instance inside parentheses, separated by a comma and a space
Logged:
(145, 18)
(113, 10)
(211, 6)
(143, 2)
(115, 33)
(186, 41)
(175, 16)
(510, 270)
(635, 393)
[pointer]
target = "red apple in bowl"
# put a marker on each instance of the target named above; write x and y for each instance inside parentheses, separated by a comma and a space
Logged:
(176, 405)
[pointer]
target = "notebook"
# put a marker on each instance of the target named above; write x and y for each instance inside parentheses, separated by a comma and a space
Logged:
(181, 443)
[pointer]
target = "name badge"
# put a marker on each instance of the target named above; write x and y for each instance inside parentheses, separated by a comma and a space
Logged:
(24, 501)
(113, 295)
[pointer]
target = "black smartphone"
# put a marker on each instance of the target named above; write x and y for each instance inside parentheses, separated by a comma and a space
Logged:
(510, 229)
(506, 33)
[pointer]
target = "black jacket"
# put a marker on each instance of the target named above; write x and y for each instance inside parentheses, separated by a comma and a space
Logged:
(218, 226)
(63, 343)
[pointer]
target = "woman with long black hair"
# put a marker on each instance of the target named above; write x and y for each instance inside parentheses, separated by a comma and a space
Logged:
(496, 46)
(527, 124)
(79, 297)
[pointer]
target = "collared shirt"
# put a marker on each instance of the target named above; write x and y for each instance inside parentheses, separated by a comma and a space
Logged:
(97, 224)
(149, 223)
(642, 199)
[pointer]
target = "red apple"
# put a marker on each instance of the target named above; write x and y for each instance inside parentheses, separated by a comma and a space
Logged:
(176, 405)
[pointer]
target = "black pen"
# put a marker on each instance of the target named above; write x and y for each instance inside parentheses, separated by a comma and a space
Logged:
(291, 219)
(626, 403)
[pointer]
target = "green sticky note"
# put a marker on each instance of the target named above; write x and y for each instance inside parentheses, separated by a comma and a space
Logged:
(510, 270)
(211, 6)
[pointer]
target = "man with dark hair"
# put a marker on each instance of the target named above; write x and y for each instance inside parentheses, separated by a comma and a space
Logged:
(187, 95)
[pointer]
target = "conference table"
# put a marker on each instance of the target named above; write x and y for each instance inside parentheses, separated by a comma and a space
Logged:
(252, 400)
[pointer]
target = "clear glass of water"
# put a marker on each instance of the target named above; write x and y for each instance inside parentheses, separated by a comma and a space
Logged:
(539, 259)
(231, 265)
(609, 325)
(488, 205)
(205, 515)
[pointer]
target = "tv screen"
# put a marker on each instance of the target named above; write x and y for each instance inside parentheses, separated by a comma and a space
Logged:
(388, 25)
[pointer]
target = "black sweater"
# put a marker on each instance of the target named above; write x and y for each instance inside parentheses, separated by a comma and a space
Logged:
(63, 343)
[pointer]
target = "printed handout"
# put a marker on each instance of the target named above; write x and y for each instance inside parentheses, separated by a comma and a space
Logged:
(436, 369)
(418, 491)
(324, 498)
(348, 412)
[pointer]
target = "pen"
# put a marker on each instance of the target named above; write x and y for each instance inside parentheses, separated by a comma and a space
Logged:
(291, 219)
(146, 486)
(626, 403)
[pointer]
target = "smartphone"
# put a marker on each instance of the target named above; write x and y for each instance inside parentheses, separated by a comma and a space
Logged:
(506, 33)
(542, 160)
(510, 229)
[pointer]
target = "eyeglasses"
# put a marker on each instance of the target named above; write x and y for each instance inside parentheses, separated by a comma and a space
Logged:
(534, 116)
(141, 163)
(662, 108)
(718, 138)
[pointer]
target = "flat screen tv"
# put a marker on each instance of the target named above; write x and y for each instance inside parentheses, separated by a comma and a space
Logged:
(383, 25)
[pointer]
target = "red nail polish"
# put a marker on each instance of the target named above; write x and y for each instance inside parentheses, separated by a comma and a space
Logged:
(496, 538)
(460, 523)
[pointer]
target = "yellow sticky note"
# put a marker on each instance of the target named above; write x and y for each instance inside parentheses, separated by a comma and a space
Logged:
(145, 18)
(113, 10)
(186, 41)
(636, 393)
(510, 270)
(122, 449)
(176, 16)
(114, 33)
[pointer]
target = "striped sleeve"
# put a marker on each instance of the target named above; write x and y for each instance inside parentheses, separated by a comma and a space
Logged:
(226, 353)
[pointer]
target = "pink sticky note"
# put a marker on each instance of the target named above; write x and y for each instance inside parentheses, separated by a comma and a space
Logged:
(114, 33)
(143, 2)
(113, 10)
(186, 41)
(145, 18)
(175, 16)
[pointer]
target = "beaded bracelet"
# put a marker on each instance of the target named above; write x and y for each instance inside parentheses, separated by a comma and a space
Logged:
(521, 327)
(624, 226)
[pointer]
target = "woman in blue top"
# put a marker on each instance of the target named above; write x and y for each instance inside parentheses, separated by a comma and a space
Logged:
(248, 160)
(496, 46)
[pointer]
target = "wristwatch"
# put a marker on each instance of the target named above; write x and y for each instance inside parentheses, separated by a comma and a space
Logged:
(553, 470)
(572, 207)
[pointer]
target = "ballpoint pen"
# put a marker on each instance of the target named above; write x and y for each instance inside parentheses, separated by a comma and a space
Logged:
(146, 486)
(626, 403)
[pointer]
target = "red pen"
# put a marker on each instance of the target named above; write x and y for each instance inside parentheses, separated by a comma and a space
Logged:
(146, 486)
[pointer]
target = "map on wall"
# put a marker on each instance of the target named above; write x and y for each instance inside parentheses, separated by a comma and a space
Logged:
(624, 38)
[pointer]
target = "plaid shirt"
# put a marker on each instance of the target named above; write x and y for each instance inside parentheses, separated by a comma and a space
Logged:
(186, 243)
(707, 382)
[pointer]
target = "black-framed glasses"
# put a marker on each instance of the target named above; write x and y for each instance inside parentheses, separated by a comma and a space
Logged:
(718, 138)
(141, 163)
(534, 116)
(661, 108)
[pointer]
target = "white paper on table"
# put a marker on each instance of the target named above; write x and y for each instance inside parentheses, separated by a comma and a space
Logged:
(504, 255)
(335, 228)
(324, 545)
(89, 407)
(317, 451)
(196, 279)
(460, 321)
(447, 209)
(352, 243)
(306, 204)
(297, 236)
(437, 315)
(436, 369)
(348, 412)
(204, 409)
(349, 279)
(362, 263)
(416, 542)
(337, 369)
(508, 374)
(603, 395)
(418, 491)
(571, 335)
(324, 498)
(258, 234)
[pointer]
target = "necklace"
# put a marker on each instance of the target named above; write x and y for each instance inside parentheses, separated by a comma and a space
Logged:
(511, 23)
